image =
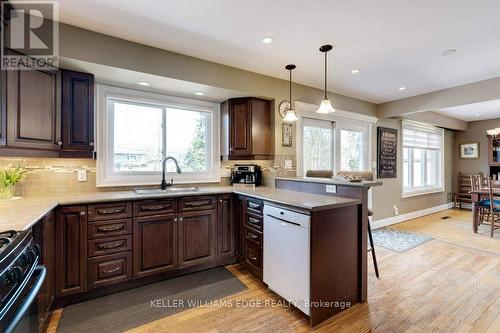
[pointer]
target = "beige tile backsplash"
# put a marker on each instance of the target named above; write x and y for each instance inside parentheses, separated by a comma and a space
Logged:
(58, 176)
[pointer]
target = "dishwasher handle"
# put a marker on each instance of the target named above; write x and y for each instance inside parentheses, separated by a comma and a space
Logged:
(285, 221)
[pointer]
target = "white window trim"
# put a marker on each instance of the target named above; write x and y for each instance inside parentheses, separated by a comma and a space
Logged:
(103, 138)
(429, 189)
(345, 118)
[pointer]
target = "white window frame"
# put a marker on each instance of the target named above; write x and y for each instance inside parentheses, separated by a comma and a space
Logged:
(422, 190)
(342, 120)
(104, 138)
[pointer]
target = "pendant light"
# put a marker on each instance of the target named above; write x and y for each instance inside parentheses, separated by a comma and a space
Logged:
(290, 115)
(325, 106)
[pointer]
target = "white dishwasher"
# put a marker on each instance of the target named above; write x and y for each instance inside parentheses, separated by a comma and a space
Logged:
(286, 255)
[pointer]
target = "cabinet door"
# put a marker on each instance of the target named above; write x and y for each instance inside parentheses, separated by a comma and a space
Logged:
(71, 250)
(3, 110)
(77, 114)
(32, 112)
(240, 124)
(155, 244)
(197, 238)
(240, 221)
(225, 228)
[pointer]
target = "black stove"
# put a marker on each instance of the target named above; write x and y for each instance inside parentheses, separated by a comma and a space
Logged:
(21, 277)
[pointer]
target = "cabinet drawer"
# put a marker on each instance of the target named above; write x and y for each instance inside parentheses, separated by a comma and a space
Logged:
(154, 207)
(109, 228)
(253, 221)
(253, 236)
(110, 211)
(253, 258)
(98, 247)
(254, 205)
(109, 269)
(189, 204)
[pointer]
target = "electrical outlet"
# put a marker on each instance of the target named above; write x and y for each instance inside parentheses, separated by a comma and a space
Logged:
(82, 175)
(331, 188)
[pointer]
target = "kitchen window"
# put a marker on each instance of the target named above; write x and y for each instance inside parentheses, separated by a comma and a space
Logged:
(137, 130)
(422, 159)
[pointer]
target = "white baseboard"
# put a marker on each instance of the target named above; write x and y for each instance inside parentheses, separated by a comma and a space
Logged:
(408, 216)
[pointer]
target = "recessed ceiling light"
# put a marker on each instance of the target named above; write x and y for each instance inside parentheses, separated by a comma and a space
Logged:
(402, 88)
(448, 52)
(355, 71)
(267, 40)
(142, 83)
(477, 115)
(199, 93)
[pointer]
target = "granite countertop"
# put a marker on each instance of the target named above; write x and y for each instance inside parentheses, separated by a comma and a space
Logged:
(23, 213)
(332, 181)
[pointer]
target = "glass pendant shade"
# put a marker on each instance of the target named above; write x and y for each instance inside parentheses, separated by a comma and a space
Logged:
(325, 107)
(290, 116)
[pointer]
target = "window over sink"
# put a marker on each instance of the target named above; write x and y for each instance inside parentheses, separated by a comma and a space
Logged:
(137, 130)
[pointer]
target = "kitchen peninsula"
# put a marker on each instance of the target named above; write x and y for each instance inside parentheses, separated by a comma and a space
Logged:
(112, 241)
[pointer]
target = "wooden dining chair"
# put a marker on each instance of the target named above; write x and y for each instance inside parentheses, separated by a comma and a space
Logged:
(482, 207)
(494, 201)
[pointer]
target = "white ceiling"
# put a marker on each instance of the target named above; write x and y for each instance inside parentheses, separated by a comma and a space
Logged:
(394, 42)
(475, 111)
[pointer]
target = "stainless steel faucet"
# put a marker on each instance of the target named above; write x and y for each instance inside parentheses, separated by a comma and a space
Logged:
(164, 184)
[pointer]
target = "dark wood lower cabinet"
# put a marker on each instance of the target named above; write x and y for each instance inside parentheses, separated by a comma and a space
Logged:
(71, 250)
(197, 238)
(225, 228)
(102, 248)
(155, 244)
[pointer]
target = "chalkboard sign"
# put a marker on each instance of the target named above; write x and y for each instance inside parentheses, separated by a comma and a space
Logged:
(387, 144)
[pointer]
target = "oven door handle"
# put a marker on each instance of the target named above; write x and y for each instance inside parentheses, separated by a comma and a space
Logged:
(39, 273)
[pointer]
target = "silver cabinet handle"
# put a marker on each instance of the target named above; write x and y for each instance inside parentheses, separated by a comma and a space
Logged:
(112, 270)
(109, 229)
(175, 220)
(110, 211)
(181, 219)
(91, 144)
(83, 213)
(253, 221)
(59, 143)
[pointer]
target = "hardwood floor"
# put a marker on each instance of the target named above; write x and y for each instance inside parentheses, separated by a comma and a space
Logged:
(450, 284)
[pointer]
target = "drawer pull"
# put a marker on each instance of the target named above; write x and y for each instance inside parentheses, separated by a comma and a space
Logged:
(110, 211)
(110, 246)
(252, 236)
(253, 205)
(153, 208)
(110, 229)
(253, 221)
(114, 270)
(252, 257)
(197, 203)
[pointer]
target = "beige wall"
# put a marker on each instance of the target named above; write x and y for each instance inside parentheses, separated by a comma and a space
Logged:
(385, 197)
(476, 132)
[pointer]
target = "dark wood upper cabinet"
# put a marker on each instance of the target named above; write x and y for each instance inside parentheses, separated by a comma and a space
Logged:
(32, 109)
(71, 250)
(77, 114)
(225, 228)
(155, 244)
(246, 128)
(3, 110)
(197, 238)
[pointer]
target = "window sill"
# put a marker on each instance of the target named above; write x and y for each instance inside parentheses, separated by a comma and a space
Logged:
(417, 193)
(144, 182)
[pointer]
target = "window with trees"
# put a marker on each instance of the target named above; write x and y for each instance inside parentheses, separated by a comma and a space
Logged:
(138, 130)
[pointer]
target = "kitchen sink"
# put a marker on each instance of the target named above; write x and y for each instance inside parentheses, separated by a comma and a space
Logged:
(168, 190)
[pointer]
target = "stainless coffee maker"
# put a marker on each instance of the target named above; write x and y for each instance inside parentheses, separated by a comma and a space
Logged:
(246, 174)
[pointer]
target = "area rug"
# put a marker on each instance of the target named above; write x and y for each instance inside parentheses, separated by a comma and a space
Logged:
(132, 308)
(398, 240)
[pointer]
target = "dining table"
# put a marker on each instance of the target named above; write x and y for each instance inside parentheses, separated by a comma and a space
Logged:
(476, 197)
